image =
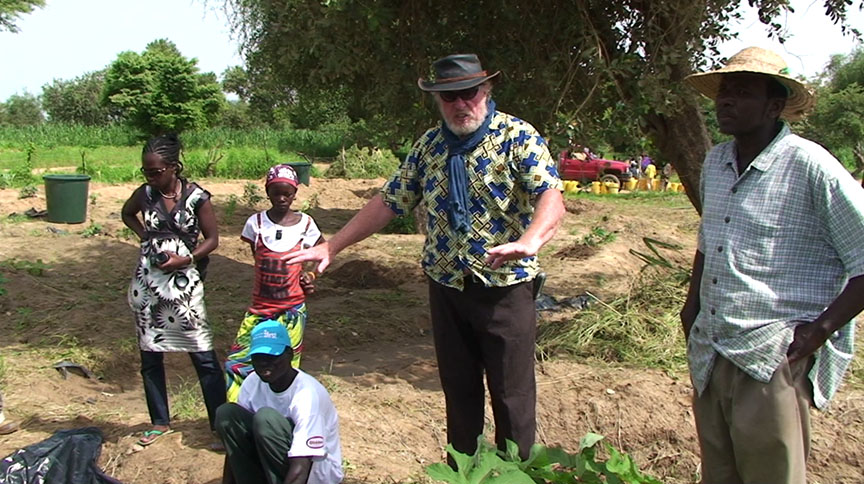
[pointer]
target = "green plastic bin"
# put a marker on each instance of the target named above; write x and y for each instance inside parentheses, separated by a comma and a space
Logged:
(66, 196)
(302, 168)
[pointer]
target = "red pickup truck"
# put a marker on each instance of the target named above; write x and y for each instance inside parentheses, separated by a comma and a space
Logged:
(585, 168)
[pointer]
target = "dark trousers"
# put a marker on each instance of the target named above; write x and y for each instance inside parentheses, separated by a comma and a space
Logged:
(491, 329)
(257, 444)
(210, 377)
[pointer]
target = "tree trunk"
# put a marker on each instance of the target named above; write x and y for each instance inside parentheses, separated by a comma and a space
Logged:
(683, 139)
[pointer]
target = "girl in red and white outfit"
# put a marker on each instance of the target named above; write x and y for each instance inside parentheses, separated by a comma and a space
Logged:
(278, 293)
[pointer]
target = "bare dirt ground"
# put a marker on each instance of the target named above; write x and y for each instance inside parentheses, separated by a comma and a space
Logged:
(368, 341)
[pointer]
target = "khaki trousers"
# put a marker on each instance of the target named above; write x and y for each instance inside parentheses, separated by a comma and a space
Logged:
(752, 432)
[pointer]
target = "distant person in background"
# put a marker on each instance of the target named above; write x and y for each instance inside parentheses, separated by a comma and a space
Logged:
(280, 289)
(666, 174)
(167, 290)
(777, 277)
(634, 168)
(6, 426)
(650, 171)
(645, 161)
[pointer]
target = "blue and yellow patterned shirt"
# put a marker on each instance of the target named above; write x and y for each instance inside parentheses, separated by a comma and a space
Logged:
(507, 170)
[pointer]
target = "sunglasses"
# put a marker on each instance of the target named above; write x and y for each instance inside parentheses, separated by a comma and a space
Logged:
(464, 94)
(153, 172)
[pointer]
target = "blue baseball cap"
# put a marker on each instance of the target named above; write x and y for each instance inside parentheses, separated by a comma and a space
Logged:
(269, 338)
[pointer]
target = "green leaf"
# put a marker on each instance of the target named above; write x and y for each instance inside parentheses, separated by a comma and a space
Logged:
(589, 440)
(443, 472)
(463, 462)
(617, 463)
(512, 451)
(510, 477)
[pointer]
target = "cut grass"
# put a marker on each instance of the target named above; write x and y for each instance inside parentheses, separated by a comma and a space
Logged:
(640, 329)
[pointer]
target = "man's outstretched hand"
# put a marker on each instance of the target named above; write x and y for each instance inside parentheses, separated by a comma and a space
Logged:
(319, 253)
(498, 255)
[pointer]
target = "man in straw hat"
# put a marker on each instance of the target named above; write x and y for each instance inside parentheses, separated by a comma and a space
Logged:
(777, 276)
(493, 197)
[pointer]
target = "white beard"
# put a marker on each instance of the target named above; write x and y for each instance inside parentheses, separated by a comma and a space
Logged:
(466, 129)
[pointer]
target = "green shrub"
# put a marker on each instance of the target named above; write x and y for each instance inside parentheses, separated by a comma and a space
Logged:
(356, 162)
(28, 191)
(403, 224)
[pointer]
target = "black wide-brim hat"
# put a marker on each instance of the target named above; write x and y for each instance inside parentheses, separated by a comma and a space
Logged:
(456, 72)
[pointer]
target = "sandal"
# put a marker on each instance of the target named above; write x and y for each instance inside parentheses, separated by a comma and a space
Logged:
(151, 436)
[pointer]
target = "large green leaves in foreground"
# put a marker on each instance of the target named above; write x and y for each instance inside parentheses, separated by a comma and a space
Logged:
(545, 464)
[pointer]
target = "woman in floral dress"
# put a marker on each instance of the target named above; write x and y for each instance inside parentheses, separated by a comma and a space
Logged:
(167, 291)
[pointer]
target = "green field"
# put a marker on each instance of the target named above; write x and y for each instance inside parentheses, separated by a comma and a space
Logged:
(113, 154)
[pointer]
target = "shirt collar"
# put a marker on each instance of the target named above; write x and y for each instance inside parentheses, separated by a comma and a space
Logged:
(768, 155)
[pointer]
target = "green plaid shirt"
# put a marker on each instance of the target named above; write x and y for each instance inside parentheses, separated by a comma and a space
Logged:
(780, 242)
(507, 170)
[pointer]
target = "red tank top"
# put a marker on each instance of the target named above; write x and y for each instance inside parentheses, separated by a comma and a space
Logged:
(277, 284)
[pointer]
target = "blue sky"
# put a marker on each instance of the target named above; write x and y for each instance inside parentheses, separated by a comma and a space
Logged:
(67, 38)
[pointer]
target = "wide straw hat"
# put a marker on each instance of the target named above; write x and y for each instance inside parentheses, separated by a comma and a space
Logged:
(756, 60)
(456, 72)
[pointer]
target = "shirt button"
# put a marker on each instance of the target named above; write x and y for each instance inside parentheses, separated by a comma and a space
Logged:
(715, 339)
(727, 219)
(734, 189)
(714, 280)
(720, 248)
(713, 311)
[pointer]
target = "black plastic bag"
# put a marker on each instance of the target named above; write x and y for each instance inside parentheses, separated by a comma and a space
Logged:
(67, 457)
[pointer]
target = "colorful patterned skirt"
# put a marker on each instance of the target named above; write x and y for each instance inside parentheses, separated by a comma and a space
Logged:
(238, 365)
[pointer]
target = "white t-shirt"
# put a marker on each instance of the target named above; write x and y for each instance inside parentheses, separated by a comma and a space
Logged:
(281, 238)
(316, 424)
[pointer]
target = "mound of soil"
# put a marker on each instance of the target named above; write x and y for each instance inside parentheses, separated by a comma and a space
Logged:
(366, 274)
(579, 206)
(577, 251)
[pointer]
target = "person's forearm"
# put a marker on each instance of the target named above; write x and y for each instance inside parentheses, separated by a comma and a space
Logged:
(692, 305)
(547, 217)
(298, 470)
(844, 308)
(373, 217)
(206, 246)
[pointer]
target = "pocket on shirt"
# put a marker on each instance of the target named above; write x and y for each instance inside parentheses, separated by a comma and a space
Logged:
(756, 247)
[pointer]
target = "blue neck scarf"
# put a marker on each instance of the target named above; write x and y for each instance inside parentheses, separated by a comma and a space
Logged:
(457, 172)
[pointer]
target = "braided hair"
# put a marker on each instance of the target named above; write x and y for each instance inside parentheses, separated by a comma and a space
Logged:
(168, 147)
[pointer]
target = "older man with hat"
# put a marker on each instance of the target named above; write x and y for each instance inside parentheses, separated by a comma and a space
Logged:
(492, 196)
(777, 277)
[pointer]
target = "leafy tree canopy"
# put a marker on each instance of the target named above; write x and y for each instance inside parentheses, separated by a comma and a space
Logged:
(594, 69)
(21, 110)
(159, 90)
(10, 10)
(77, 101)
(837, 121)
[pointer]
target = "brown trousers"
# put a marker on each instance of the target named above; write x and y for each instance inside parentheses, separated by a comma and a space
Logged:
(752, 432)
(491, 329)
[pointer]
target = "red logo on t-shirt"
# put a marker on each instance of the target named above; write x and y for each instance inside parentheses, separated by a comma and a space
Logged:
(315, 442)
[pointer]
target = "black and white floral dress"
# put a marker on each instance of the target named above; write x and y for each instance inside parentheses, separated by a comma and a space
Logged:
(169, 306)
